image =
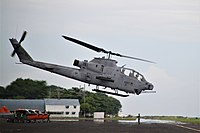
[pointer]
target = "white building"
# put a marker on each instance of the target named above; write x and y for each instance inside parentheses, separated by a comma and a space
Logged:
(62, 107)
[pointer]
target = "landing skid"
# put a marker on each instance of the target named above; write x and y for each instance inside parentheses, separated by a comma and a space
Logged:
(121, 95)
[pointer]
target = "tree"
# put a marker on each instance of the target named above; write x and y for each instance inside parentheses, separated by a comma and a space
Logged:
(55, 92)
(2, 92)
(26, 88)
(87, 108)
(104, 103)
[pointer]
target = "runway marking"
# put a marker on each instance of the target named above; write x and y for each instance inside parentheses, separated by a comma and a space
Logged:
(188, 128)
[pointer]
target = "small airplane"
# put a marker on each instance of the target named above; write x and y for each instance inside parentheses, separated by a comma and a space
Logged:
(99, 71)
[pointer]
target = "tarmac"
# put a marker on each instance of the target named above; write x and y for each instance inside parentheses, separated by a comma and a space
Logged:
(84, 126)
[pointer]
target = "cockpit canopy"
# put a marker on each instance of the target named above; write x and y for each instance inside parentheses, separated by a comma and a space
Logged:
(133, 74)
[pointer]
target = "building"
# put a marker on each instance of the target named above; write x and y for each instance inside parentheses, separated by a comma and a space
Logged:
(55, 107)
(62, 107)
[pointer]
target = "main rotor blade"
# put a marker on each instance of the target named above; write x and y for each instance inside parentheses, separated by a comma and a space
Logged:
(97, 49)
(116, 54)
(136, 58)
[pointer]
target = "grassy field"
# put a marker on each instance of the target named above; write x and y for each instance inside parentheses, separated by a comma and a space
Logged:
(176, 118)
(173, 118)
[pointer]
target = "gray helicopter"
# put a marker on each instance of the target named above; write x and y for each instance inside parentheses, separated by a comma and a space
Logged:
(99, 71)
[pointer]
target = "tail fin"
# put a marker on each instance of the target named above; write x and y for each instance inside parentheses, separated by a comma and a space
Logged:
(21, 52)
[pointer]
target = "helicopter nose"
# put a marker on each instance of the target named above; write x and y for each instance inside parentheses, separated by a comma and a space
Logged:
(150, 87)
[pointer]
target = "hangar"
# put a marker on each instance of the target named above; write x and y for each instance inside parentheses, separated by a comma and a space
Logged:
(55, 107)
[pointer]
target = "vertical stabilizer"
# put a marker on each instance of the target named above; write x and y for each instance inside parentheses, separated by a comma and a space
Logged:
(21, 52)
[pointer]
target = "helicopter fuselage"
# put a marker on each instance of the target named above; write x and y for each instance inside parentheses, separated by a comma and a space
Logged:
(100, 72)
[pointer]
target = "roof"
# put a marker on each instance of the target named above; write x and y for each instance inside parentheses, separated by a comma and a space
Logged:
(66, 102)
(13, 104)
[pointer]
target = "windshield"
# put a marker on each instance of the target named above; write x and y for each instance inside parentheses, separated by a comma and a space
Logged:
(132, 73)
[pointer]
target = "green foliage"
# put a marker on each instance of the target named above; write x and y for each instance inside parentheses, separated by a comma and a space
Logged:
(88, 108)
(32, 89)
(2, 92)
(26, 88)
(176, 118)
(103, 103)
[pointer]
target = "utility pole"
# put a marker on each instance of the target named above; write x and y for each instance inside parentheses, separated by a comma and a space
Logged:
(58, 94)
(84, 99)
(50, 93)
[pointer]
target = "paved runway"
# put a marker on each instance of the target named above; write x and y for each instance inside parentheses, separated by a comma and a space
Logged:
(96, 127)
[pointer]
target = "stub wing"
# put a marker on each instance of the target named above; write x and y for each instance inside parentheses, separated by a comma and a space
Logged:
(148, 91)
(105, 78)
(112, 93)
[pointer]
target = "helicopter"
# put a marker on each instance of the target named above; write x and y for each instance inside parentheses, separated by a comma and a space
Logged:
(102, 71)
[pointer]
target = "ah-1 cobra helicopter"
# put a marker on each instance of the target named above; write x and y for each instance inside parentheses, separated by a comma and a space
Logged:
(99, 71)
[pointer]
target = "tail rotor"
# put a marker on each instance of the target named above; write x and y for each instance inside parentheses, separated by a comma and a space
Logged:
(21, 40)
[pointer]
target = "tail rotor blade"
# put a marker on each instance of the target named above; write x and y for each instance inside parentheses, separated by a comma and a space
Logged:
(13, 53)
(23, 37)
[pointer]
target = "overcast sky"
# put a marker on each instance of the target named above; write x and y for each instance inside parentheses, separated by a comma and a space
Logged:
(164, 31)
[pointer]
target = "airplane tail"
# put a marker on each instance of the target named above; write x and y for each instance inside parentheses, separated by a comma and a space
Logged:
(19, 50)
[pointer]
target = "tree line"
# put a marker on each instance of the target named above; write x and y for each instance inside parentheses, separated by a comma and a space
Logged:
(34, 89)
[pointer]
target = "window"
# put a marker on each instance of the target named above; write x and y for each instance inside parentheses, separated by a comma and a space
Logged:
(66, 107)
(67, 113)
(73, 113)
(74, 106)
(56, 113)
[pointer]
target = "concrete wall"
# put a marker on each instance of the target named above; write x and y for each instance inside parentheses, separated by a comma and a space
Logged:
(99, 115)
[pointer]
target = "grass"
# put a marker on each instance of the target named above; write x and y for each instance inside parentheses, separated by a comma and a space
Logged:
(176, 118)
(173, 118)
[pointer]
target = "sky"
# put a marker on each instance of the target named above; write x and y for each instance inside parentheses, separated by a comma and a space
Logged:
(164, 31)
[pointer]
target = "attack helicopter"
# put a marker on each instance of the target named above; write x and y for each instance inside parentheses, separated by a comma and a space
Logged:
(102, 72)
